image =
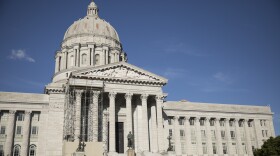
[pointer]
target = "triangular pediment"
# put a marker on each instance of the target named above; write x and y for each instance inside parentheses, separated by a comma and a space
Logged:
(120, 71)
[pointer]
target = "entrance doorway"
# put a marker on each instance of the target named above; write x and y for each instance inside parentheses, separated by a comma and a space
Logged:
(119, 137)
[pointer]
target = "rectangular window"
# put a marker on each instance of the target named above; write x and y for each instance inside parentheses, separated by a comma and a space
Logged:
(222, 123)
(266, 133)
(244, 148)
(263, 133)
(204, 148)
(36, 117)
(231, 123)
(261, 122)
(182, 133)
(214, 148)
(223, 134)
(170, 132)
(193, 135)
(234, 148)
(20, 116)
(18, 130)
(34, 130)
(264, 122)
(212, 122)
(224, 148)
(240, 123)
(181, 121)
(203, 134)
(232, 134)
(213, 134)
(201, 122)
(169, 121)
(3, 130)
(191, 121)
(250, 124)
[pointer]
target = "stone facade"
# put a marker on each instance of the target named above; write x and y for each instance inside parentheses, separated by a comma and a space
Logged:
(97, 98)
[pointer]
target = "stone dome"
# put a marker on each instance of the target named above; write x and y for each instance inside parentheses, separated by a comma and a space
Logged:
(92, 25)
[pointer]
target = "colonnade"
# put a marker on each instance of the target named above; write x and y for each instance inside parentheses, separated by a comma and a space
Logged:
(144, 131)
(10, 131)
(222, 145)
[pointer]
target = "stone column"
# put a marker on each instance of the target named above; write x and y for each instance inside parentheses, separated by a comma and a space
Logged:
(95, 96)
(208, 137)
(219, 137)
(77, 131)
(145, 128)
(105, 131)
(159, 102)
(198, 136)
(228, 137)
(248, 138)
(178, 148)
(112, 121)
(238, 138)
(10, 133)
(188, 136)
(128, 98)
(154, 133)
(26, 130)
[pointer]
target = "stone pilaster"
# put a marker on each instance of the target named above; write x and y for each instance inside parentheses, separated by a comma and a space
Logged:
(198, 136)
(94, 123)
(271, 127)
(219, 137)
(159, 102)
(228, 137)
(188, 136)
(258, 129)
(178, 148)
(145, 128)
(26, 130)
(238, 137)
(154, 133)
(248, 138)
(208, 137)
(112, 121)
(10, 133)
(128, 97)
(78, 104)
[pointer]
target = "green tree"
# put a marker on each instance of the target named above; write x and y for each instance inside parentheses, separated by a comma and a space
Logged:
(271, 147)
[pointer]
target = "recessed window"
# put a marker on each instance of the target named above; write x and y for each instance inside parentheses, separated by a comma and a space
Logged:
(3, 130)
(18, 130)
(20, 116)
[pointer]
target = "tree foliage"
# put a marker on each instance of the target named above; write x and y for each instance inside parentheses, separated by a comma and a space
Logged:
(271, 147)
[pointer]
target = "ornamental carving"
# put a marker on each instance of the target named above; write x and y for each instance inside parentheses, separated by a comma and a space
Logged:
(121, 72)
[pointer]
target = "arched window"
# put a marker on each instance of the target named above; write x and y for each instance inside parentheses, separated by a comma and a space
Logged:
(71, 60)
(32, 150)
(16, 150)
(84, 58)
(97, 59)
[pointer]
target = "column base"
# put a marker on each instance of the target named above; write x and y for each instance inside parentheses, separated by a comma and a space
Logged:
(79, 154)
(113, 154)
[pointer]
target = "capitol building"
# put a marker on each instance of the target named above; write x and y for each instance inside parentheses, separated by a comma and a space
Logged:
(96, 98)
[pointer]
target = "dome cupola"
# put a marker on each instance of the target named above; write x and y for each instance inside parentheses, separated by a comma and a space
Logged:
(90, 41)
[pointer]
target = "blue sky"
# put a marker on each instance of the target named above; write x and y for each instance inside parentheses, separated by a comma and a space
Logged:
(217, 51)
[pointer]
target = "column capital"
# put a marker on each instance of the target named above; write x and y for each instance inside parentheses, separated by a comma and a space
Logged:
(187, 117)
(236, 119)
(217, 119)
(12, 111)
(144, 96)
(95, 93)
(128, 95)
(27, 112)
(176, 117)
(207, 118)
(79, 92)
(112, 94)
(196, 118)
(160, 97)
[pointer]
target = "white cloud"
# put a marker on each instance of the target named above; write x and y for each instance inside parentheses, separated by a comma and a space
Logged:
(223, 77)
(20, 55)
